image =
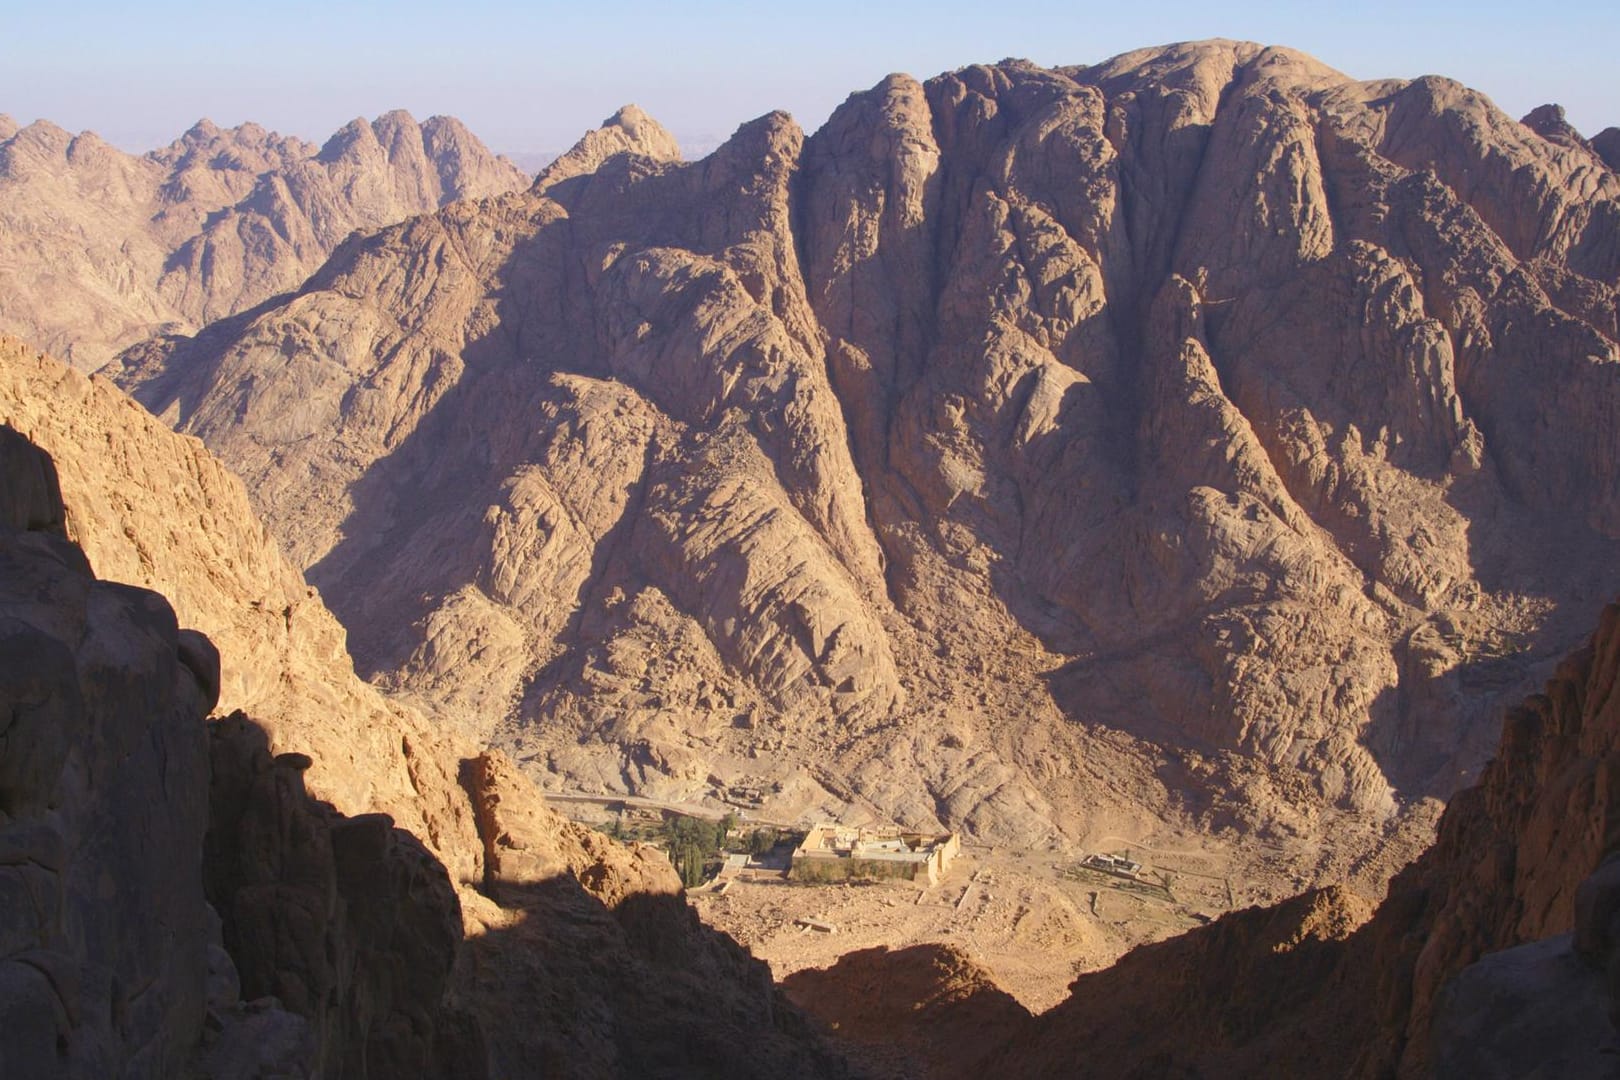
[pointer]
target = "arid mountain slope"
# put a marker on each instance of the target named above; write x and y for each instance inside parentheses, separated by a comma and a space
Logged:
(572, 955)
(100, 249)
(158, 511)
(1201, 434)
(1494, 955)
(1524, 860)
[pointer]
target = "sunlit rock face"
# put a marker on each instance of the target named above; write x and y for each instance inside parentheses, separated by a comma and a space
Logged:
(1200, 436)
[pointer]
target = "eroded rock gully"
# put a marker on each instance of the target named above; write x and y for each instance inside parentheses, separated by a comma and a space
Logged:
(1200, 437)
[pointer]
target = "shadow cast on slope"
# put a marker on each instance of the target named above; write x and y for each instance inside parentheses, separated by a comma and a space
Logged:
(353, 924)
(642, 989)
(348, 922)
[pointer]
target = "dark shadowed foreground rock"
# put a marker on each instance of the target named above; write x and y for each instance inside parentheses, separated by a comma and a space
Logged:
(339, 944)
(1534, 1010)
(348, 922)
(339, 934)
(928, 1010)
(103, 803)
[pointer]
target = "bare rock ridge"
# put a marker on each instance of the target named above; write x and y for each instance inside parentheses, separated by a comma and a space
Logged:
(160, 512)
(1021, 452)
(101, 249)
(410, 903)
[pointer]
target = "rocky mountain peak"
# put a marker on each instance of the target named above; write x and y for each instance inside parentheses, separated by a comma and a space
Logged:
(1548, 121)
(38, 142)
(1185, 412)
(349, 142)
(202, 133)
(773, 139)
(628, 131)
(642, 128)
(213, 223)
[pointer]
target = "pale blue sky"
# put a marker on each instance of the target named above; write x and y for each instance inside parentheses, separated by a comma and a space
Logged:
(530, 77)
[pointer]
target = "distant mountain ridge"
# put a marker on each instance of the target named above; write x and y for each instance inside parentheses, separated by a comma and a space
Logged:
(100, 249)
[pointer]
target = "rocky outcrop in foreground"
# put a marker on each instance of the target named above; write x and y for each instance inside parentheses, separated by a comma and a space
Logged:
(1202, 436)
(104, 929)
(100, 249)
(489, 933)
(174, 903)
(924, 1011)
(159, 511)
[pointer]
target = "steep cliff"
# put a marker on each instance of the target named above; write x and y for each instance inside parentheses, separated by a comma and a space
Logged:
(410, 903)
(100, 249)
(159, 511)
(104, 957)
(1199, 436)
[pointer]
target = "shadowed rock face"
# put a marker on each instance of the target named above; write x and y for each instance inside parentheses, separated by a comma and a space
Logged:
(1200, 434)
(103, 802)
(430, 917)
(927, 1010)
(101, 248)
(347, 922)
(340, 934)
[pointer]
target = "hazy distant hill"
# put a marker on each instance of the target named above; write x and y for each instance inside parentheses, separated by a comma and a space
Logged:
(99, 248)
(1200, 436)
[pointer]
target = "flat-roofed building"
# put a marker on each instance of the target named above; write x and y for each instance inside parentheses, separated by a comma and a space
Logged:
(839, 853)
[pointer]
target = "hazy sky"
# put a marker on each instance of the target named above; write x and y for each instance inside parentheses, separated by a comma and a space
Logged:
(534, 76)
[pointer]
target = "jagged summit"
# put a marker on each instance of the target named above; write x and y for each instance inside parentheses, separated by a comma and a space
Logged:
(628, 131)
(102, 248)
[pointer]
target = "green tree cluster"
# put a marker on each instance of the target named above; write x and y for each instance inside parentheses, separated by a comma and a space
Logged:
(692, 843)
